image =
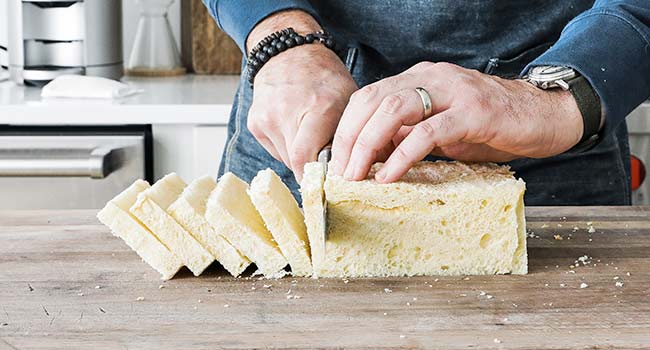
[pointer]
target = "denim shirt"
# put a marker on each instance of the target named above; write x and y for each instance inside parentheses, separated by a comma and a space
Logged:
(607, 41)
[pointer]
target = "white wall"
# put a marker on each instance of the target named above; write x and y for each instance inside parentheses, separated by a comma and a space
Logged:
(130, 16)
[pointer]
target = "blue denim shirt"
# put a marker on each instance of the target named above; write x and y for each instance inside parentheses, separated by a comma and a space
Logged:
(607, 41)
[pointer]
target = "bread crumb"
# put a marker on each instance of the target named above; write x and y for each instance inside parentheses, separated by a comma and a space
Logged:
(583, 285)
(267, 286)
(589, 223)
(591, 229)
(436, 280)
(80, 294)
(489, 296)
(575, 228)
(463, 295)
(558, 237)
(562, 285)
(98, 287)
(200, 301)
(620, 284)
(161, 286)
(629, 274)
(481, 293)
(497, 341)
(408, 304)
(545, 284)
(346, 281)
(402, 336)
(385, 313)
(415, 299)
(388, 290)
(466, 279)
(544, 226)
(559, 225)
(139, 299)
(226, 305)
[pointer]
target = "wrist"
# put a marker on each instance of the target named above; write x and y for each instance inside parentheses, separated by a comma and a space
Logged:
(300, 21)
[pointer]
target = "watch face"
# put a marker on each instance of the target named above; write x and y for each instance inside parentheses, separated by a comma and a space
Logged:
(551, 73)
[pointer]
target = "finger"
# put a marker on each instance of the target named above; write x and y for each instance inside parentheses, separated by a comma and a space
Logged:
(438, 131)
(268, 146)
(474, 153)
(401, 108)
(314, 133)
(363, 103)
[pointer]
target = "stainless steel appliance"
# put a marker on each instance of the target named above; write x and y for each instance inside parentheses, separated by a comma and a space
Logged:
(70, 167)
(638, 125)
(48, 38)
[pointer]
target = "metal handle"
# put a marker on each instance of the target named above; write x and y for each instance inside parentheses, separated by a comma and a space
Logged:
(96, 163)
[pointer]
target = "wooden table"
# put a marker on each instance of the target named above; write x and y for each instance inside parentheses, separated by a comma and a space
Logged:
(66, 282)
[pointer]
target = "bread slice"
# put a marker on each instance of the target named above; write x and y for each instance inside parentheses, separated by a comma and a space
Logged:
(231, 212)
(312, 192)
(442, 218)
(117, 217)
(150, 208)
(283, 218)
(189, 211)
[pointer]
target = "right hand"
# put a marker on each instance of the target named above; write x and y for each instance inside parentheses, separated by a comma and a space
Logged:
(298, 98)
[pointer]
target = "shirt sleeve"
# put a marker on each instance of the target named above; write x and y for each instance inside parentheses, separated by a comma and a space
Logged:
(610, 46)
(238, 17)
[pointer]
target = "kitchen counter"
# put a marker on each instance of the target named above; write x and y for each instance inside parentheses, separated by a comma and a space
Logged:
(66, 282)
(187, 99)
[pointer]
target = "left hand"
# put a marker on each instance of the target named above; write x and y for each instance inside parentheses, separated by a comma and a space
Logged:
(476, 117)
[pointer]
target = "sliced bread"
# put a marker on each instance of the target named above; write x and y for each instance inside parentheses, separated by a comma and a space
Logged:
(283, 218)
(231, 212)
(189, 211)
(137, 236)
(150, 208)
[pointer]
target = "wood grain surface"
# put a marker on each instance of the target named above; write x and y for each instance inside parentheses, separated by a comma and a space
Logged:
(205, 48)
(67, 283)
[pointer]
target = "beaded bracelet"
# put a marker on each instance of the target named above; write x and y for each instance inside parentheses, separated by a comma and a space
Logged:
(279, 41)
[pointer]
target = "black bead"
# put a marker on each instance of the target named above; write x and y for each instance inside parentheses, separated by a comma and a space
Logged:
(254, 62)
(281, 46)
(329, 42)
(272, 51)
(299, 40)
(263, 56)
(290, 42)
(275, 42)
(283, 38)
(309, 38)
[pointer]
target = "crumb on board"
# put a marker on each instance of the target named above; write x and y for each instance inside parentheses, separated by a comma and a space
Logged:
(583, 285)
(558, 237)
(161, 286)
(226, 305)
(388, 290)
(139, 299)
(497, 341)
(619, 284)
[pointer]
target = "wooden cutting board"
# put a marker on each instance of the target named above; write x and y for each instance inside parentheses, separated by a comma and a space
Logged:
(205, 48)
(66, 282)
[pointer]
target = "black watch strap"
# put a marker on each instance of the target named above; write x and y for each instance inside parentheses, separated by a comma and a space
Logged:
(589, 105)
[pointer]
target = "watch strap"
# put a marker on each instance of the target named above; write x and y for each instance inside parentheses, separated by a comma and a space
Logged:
(589, 105)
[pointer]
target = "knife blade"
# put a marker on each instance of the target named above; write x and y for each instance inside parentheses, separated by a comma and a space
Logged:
(324, 157)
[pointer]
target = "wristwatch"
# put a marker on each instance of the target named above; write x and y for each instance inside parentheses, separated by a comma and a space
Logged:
(553, 77)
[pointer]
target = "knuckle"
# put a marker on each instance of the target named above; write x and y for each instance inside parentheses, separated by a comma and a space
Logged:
(425, 130)
(424, 65)
(297, 156)
(392, 104)
(364, 94)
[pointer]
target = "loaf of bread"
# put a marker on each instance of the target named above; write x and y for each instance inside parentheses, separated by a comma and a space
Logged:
(137, 236)
(442, 218)
(231, 212)
(150, 208)
(283, 218)
(189, 211)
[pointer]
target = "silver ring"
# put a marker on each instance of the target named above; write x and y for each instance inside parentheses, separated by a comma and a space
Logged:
(426, 102)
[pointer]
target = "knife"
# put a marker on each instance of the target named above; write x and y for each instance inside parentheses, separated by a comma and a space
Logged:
(325, 154)
(324, 157)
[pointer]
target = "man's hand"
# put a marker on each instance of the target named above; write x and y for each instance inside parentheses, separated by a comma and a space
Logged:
(476, 117)
(299, 95)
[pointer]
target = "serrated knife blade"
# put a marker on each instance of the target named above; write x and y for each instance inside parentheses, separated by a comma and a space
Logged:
(324, 157)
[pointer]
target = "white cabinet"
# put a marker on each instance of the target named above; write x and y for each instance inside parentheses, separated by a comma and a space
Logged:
(189, 150)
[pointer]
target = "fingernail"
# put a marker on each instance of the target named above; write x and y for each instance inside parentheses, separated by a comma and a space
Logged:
(349, 172)
(334, 167)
